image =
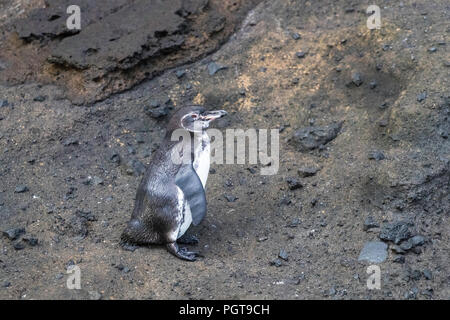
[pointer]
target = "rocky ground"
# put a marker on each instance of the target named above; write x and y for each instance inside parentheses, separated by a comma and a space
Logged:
(364, 150)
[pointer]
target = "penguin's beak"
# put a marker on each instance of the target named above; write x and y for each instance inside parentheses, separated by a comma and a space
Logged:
(213, 115)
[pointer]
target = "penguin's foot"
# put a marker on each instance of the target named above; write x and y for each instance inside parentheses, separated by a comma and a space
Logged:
(188, 239)
(181, 253)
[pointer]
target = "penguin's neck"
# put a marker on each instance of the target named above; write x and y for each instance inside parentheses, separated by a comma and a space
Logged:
(202, 156)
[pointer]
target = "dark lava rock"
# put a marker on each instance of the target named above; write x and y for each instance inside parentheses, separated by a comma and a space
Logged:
(293, 183)
(427, 274)
(397, 249)
(399, 259)
(93, 180)
(18, 245)
(115, 158)
(396, 231)
(283, 255)
(32, 241)
(300, 54)
(296, 36)
(373, 252)
(70, 194)
(97, 180)
(277, 263)
(108, 57)
(230, 198)
(21, 189)
(122, 268)
(88, 215)
(411, 294)
(71, 142)
(59, 276)
(156, 112)
(383, 123)
(432, 49)
(307, 171)
(412, 243)
(370, 223)
(310, 138)
(294, 223)
(406, 245)
(415, 275)
(4, 103)
(417, 241)
(372, 84)
(376, 155)
(214, 67)
(14, 233)
(6, 284)
(40, 98)
(357, 79)
(427, 292)
(422, 96)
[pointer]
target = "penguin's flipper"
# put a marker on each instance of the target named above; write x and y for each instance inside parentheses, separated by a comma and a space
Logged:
(191, 185)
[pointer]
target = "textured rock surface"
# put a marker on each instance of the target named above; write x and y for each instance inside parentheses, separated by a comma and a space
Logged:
(121, 42)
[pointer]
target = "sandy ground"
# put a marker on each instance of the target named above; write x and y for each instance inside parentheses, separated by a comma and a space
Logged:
(69, 172)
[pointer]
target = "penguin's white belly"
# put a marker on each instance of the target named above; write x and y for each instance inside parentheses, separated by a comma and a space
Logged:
(184, 214)
(201, 167)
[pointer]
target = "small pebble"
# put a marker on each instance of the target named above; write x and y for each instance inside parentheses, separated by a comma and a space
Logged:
(283, 255)
(21, 189)
(376, 155)
(296, 36)
(357, 79)
(300, 54)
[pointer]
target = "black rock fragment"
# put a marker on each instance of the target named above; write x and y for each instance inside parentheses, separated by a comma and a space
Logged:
(370, 223)
(310, 138)
(376, 155)
(293, 183)
(396, 231)
(357, 79)
(307, 171)
(14, 233)
(230, 198)
(21, 189)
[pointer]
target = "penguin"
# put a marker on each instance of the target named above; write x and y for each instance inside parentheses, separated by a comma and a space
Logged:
(171, 195)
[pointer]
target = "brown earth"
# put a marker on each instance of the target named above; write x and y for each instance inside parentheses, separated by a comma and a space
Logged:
(400, 110)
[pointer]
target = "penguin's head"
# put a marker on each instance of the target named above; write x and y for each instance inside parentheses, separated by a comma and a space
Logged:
(194, 118)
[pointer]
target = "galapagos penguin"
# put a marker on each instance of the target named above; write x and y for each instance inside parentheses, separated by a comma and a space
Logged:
(171, 194)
